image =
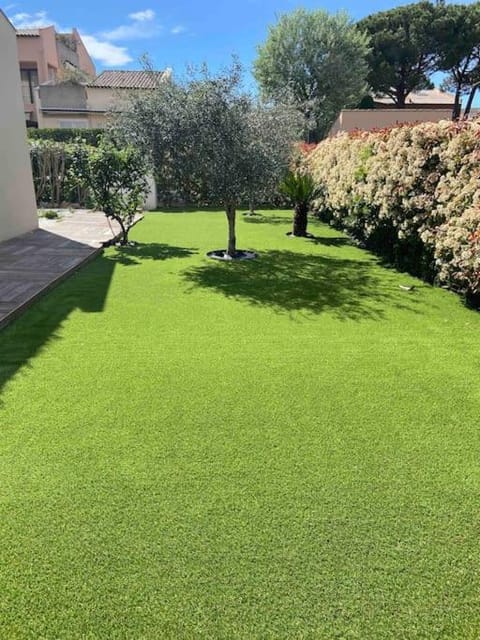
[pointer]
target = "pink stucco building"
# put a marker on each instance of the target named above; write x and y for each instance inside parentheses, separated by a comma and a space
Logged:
(46, 56)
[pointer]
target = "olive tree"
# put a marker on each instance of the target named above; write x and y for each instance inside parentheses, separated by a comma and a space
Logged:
(319, 61)
(210, 142)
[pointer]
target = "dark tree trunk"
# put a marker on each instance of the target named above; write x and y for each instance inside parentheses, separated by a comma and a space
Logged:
(468, 108)
(232, 241)
(300, 220)
(457, 105)
(400, 97)
(124, 235)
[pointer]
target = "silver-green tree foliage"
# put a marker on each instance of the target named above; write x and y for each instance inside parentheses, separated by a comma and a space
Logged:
(319, 61)
(211, 143)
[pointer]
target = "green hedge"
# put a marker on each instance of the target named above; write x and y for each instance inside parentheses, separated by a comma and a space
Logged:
(91, 136)
(411, 194)
(55, 182)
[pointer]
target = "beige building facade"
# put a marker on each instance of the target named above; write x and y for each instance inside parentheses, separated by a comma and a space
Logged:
(429, 105)
(90, 105)
(369, 119)
(18, 211)
(69, 105)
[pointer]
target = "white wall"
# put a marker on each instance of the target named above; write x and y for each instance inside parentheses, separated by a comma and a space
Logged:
(368, 119)
(18, 212)
(151, 199)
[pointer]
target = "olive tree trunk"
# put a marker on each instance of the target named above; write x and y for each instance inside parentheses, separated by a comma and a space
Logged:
(232, 240)
(300, 220)
(125, 228)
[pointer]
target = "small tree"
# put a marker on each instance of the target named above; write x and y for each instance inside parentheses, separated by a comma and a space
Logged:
(211, 143)
(117, 182)
(300, 190)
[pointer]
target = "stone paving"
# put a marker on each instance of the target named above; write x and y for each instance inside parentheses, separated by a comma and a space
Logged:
(35, 262)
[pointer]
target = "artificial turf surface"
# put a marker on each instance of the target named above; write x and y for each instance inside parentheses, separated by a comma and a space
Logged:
(283, 448)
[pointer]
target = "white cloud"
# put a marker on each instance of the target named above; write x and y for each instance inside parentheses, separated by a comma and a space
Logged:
(35, 20)
(101, 46)
(110, 55)
(142, 16)
(178, 30)
(142, 26)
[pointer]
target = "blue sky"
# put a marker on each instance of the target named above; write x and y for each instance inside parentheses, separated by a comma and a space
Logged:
(173, 33)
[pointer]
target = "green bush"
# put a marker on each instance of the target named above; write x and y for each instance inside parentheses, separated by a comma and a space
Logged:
(115, 179)
(52, 176)
(411, 194)
(90, 136)
(51, 215)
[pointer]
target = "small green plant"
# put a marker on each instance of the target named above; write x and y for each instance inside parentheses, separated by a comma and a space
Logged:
(300, 190)
(50, 215)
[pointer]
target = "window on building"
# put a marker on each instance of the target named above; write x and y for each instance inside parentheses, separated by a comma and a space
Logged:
(73, 124)
(52, 74)
(29, 79)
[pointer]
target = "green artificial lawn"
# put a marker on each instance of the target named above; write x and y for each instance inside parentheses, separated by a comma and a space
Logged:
(284, 448)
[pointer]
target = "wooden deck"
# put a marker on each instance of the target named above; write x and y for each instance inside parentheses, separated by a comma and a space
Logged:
(33, 263)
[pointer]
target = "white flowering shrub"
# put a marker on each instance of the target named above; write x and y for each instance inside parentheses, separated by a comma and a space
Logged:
(411, 193)
(457, 252)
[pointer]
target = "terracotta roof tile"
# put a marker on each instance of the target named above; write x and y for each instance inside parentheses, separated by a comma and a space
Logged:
(128, 79)
(28, 32)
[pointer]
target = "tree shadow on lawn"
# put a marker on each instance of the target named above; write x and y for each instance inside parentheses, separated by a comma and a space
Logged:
(259, 218)
(337, 241)
(86, 290)
(287, 281)
(133, 255)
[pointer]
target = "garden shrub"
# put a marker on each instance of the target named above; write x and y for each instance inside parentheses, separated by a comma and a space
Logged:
(411, 194)
(89, 136)
(457, 253)
(52, 177)
(116, 180)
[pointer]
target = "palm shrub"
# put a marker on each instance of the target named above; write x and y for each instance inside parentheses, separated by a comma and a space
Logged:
(299, 188)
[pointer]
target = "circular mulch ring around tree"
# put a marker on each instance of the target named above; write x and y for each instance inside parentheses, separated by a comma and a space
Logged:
(306, 235)
(221, 254)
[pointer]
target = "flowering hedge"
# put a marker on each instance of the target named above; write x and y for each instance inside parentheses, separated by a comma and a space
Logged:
(410, 193)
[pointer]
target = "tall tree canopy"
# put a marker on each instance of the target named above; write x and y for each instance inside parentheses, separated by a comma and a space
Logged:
(458, 36)
(318, 61)
(210, 142)
(403, 49)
